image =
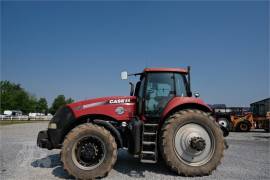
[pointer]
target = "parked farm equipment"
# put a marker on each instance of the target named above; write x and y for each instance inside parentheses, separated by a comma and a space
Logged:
(160, 119)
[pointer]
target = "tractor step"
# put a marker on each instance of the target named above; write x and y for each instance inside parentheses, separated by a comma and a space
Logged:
(150, 124)
(148, 161)
(148, 152)
(149, 143)
(149, 133)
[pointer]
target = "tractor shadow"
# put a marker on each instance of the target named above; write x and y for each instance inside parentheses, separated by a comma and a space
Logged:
(125, 164)
(128, 165)
(52, 162)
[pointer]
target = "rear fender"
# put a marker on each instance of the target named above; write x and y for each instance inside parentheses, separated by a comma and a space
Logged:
(180, 103)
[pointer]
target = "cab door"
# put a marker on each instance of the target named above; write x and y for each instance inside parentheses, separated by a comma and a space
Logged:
(159, 90)
(139, 92)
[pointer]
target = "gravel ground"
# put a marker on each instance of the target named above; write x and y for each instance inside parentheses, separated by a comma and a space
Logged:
(246, 158)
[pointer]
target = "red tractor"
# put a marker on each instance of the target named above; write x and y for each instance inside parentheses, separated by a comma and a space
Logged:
(159, 120)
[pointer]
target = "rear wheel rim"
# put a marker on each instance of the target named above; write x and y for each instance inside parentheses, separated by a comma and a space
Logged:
(223, 123)
(88, 152)
(182, 144)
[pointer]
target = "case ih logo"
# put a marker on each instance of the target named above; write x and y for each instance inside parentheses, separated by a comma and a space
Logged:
(119, 101)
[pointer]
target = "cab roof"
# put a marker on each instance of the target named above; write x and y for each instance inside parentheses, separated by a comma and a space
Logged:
(179, 70)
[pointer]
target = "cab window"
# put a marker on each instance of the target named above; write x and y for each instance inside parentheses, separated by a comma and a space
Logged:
(181, 89)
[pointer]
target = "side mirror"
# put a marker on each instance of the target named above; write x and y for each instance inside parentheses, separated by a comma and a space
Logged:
(196, 95)
(124, 75)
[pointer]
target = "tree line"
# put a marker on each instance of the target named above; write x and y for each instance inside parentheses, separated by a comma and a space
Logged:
(14, 97)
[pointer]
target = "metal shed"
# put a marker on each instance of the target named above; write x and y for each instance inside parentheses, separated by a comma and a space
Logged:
(260, 108)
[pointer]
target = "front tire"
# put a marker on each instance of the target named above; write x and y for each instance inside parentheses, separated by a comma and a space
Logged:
(243, 127)
(89, 151)
(192, 143)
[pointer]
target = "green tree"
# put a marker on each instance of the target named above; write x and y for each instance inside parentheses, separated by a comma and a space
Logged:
(58, 102)
(69, 100)
(14, 97)
(42, 106)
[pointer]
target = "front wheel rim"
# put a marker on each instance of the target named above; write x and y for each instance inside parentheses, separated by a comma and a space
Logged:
(243, 127)
(88, 152)
(184, 150)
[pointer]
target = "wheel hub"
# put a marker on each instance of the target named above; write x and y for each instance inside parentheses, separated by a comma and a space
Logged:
(223, 123)
(197, 143)
(194, 144)
(88, 153)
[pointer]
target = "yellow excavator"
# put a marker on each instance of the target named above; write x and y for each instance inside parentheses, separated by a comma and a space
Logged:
(250, 121)
(243, 123)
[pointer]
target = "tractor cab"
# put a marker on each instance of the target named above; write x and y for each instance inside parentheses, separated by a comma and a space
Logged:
(156, 87)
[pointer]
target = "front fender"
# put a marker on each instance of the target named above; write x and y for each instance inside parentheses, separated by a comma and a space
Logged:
(107, 125)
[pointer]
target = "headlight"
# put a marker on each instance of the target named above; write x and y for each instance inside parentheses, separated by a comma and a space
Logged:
(52, 126)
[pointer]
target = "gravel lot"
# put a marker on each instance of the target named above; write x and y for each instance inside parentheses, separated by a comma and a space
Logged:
(246, 158)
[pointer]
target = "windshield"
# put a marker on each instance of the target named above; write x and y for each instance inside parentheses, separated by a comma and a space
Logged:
(156, 89)
(160, 89)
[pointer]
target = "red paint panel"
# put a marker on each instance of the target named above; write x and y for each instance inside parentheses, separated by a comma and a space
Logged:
(106, 106)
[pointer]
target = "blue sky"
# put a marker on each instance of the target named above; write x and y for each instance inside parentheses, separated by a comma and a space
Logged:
(79, 48)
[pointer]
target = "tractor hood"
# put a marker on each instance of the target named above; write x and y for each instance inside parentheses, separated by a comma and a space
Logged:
(117, 107)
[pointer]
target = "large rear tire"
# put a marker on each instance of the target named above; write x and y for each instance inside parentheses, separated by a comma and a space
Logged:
(192, 143)
(89, 151)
